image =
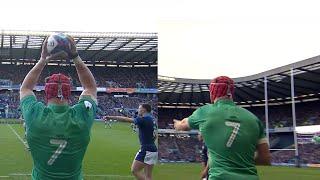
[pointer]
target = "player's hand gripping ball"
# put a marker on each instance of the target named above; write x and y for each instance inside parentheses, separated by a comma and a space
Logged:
(61, 44)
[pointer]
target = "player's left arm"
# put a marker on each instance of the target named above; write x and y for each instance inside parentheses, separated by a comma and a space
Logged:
(86, 77)
(120, 118)
(182, 125)
(32, 77)
(263, 156)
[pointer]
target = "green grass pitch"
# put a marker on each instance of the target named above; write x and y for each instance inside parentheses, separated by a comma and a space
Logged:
(111, 152)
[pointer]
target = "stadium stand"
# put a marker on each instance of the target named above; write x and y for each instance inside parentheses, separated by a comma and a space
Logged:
(109, 104)
(179, 97)
(125, 69)
(307, 113)
(143, 77)
(123, 64)
(179, 148)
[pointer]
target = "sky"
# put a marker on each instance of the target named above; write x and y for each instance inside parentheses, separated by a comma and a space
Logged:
(197, 39)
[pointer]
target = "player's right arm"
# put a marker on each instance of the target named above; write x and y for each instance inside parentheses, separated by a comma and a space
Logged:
(85, 76)
(192, 122)
(120, 118)
(182, 125)
(32, 77)
(28, 102)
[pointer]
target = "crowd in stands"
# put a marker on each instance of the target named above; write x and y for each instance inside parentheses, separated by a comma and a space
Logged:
(115, 77)
(108, 104)
(285, 156)
(280, 140)
(168, 114)
(9, 101)
(173, 147)
(308, 154)
(307, 113)
(125, 105)
(187, 148)
(183, 148)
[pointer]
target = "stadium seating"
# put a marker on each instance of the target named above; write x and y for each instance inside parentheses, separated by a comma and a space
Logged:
(307, 113)
(173, 147)
(179, 148)
(142, 77)
(108, 103)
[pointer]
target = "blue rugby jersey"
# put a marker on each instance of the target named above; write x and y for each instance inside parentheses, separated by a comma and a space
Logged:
(147, 128)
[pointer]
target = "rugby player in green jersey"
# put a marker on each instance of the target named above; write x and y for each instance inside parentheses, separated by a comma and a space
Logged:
(231, 133)
(316, 139)
(58, 134)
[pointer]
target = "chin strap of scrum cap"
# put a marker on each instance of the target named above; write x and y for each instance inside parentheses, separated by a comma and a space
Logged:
(60, 94)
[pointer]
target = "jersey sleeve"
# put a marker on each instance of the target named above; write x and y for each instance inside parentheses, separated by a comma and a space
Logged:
(196, 118)
(138, 120)
(87, 107)
(262, 136)
(30, 108)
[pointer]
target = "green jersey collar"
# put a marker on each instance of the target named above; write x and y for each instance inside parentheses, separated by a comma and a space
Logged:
(58, 108)
(225, 101)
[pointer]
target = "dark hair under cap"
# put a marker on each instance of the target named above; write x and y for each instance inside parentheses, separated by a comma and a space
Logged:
(147, 107)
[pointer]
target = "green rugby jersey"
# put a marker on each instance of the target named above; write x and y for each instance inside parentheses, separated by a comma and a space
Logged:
(316, 139)
(58, 136)
(231, 134)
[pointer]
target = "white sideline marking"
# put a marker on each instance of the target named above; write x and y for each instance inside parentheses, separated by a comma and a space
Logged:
(15, 132)
(19, 174)
(86, 175)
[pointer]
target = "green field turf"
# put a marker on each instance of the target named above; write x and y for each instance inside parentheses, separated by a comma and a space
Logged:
(192, 172)
(111, 152)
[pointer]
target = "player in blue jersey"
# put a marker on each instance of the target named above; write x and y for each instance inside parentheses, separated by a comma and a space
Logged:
(204, 159)
(147, 156)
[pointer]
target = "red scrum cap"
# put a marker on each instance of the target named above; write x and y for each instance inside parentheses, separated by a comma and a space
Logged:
(57, 86)
(221, 86)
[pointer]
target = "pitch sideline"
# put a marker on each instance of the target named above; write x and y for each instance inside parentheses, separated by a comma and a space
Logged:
(15, 132)
(88, 175)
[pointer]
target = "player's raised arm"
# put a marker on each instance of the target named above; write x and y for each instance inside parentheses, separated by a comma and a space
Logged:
(32, 77)
(182, 125)
(120, 118)
(85, 76)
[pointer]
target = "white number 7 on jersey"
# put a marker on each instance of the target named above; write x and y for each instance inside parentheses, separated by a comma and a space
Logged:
(62, 144)
(234, 133)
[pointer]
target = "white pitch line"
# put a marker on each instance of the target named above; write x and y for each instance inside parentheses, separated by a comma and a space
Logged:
(86, 175)
(20, 174)
(15, 132)
(4, 177)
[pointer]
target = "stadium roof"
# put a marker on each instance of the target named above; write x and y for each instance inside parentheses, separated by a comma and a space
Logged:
(250, 89)
(109, 48)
